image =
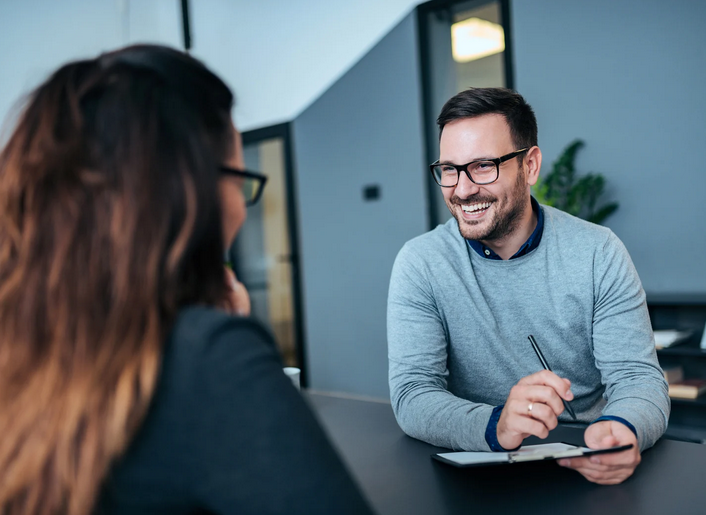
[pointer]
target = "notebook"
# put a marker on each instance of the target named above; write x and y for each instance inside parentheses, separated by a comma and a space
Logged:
(546, 451)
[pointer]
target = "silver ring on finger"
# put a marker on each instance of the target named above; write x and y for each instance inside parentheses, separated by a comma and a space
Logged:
(529, 408)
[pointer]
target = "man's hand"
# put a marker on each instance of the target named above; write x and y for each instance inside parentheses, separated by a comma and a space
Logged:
(532, 408)
(607, 469)
(238, 300)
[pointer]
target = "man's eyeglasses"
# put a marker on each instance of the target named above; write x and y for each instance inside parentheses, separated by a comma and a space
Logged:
(253, 183)
(481, 171)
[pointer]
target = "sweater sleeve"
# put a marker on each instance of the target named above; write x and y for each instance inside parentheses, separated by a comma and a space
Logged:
(623, 346)
(417, 352)
(256, 446)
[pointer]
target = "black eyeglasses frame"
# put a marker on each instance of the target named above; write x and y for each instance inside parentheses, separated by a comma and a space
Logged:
(247, 174)
(464, 168)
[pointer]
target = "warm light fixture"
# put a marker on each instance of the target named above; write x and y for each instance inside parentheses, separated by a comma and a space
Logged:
(475, 38)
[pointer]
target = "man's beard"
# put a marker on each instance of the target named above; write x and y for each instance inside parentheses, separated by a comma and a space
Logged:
(504, 223)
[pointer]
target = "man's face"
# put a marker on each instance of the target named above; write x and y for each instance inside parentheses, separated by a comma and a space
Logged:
(492, 211)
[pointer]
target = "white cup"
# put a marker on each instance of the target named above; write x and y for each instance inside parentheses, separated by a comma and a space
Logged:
(294, 374)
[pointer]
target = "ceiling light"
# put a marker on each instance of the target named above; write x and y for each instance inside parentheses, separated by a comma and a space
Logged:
(475, 38)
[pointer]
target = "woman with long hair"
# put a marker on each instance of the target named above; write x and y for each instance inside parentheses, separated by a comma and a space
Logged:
(126, 386)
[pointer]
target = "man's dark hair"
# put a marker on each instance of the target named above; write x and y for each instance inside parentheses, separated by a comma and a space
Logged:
(479, 101)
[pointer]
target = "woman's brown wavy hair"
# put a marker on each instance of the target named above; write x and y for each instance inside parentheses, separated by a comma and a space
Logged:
(109, 223)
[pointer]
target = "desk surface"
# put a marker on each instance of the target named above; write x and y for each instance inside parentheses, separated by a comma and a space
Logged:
(399, 477)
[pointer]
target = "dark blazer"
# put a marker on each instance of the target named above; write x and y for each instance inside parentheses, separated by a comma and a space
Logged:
(228, 433)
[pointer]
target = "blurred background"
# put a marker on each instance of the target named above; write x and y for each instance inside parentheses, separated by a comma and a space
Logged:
(337, 103)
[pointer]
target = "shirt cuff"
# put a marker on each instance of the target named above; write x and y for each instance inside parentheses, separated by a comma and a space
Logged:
(491, 431)
(607, 417)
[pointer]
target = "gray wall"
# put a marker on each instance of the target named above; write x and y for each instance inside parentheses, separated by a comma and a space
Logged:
(627, 77)
(366, 129)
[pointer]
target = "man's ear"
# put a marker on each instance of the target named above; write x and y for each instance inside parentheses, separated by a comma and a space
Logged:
(532, 163)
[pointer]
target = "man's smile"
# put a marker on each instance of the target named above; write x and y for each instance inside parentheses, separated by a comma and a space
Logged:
(475, 211)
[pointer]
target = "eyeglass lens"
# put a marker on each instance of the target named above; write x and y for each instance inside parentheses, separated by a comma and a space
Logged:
(251, 189)
(482, 172)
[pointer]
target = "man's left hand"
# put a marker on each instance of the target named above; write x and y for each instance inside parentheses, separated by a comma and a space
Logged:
(607, 469)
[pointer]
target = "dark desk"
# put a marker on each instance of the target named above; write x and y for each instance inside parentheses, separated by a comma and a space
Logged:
(398, 476)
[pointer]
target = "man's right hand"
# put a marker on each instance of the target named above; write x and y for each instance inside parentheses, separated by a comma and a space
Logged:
(532, 408)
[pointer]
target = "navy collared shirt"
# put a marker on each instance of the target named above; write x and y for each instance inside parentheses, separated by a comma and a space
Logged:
(527, 247)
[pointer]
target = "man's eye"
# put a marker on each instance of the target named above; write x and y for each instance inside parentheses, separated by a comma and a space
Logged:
(448, 169)
(485, 166)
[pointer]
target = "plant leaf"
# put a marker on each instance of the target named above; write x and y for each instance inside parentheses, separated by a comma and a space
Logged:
(603, 213)
(579, 196)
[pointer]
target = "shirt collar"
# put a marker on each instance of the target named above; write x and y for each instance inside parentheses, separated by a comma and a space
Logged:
(527, 247)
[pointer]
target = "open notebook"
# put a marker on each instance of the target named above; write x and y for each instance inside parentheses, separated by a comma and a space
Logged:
(546, 451)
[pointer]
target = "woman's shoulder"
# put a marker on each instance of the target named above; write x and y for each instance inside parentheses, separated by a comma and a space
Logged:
(207, 337)
(211, 361)
(194, 323)
(200, 326)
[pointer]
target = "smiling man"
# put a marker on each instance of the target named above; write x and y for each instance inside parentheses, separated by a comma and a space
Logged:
(465, 297)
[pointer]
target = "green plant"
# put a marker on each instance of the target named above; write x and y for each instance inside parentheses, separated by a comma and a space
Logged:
(579, 196)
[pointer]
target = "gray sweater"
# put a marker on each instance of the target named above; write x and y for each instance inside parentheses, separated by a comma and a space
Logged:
(457, 327)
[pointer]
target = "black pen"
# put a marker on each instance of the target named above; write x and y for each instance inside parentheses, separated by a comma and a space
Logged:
(546, 367)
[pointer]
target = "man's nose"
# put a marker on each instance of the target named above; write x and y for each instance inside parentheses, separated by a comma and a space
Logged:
(465, 187)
